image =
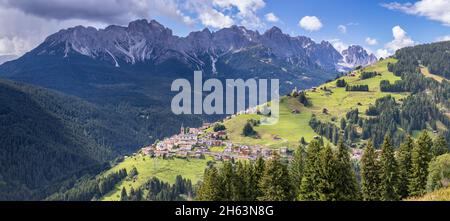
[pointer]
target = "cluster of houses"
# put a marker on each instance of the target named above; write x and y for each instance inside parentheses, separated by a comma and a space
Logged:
(197, 143)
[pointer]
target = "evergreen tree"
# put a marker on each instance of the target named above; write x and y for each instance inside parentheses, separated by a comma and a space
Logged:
(439, 147)
(327, 175)
(346, 184)
(370, 176)
(248, 130)
(258, 172)
(296, 170)
(303, 99)
(123, 195)
(227, 176)
(343, 124)
(420, 158)
(251, 182)
(275, 183)
(388, 172)
(242, 185)
(310, 179)
(210, 189)
(404, 166)
(302, 141)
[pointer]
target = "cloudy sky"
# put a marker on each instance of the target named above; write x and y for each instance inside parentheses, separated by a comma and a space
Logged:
(380, 26)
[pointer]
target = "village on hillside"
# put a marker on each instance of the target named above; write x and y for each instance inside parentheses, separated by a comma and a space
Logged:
(200, 142)
(206, 141)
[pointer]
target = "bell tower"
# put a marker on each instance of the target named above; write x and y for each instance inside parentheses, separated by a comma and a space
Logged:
(182, 130)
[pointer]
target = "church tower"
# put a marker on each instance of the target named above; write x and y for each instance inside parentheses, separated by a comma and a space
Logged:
(182, 130)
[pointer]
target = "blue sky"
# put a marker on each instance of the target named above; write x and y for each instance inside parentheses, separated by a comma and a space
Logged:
(358, 21)
(370, 23)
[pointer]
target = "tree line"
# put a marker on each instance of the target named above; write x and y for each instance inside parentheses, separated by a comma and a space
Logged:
(157, 190)
(319, 172)
(90, 189)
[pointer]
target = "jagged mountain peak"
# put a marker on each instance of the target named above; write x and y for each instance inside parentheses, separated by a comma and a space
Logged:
(150, 41)
(274, 30)
(354, 56)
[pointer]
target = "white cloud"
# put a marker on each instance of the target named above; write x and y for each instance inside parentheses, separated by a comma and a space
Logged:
(342, 29)
(212, 18)
(25, 24)
(105, 11)
(371, 41)
(443, 38)
(15, 46)
(401, 39)
(383, 53)
(228, 12)
(436, 10)
(246, 11)
(310, 23)
(339, 45)
(271, 17)
(20, 31)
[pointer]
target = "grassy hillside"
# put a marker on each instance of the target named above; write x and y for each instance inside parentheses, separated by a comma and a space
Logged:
(339, 102)
(292, 126)
(164, 170)
(285, 133)
(438, 195)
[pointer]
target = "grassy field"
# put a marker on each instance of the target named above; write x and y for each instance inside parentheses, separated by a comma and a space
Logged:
(165, 170)
(291, 127)
(287, 132)
(438, 195)
(339, 102)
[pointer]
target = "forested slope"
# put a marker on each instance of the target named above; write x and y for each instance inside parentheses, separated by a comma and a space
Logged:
(46, 136)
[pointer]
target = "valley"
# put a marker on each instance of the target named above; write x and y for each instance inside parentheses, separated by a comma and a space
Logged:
(294, 124)
(86, 116)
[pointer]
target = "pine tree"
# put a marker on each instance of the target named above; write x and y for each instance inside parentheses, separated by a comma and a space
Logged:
(139, 194)
(210, 189)
(439, 147)
(404, 166)
(241, 183)
(132, 195)
(123, 195)
(311, 179)
(343, 124)
(248, 130)
(227, 176)
(251, 182)
(346, 184)
(370, 176)
(420, 158)
(327, 175)
(297, 166)
(258, 172)
(388, 172)
(275, 183)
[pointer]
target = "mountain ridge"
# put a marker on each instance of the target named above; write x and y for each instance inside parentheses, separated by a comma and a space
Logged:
(143, 41)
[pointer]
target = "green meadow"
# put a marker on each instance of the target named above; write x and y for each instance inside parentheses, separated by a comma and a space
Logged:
(164, 169)
(292, 126)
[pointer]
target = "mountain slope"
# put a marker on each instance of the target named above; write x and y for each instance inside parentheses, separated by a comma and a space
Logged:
(408, 104)
(47, 136)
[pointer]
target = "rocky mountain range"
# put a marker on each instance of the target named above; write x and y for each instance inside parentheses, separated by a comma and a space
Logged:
(135, 65)
(144, 41)
(356, 56)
